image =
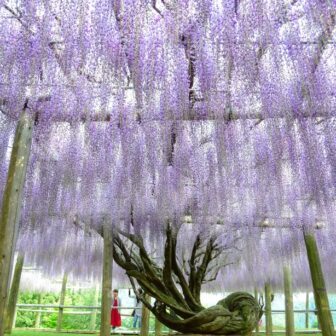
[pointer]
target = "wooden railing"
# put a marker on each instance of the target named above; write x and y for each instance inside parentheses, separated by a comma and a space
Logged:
(90, 310)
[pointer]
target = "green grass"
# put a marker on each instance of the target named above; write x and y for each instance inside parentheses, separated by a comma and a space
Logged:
(262, 333)
(51, 333)
(43, 333)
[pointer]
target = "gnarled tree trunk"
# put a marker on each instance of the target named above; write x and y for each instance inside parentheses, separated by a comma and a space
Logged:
(177, 289)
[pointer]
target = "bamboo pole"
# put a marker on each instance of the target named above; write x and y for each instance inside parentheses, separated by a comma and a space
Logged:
(145, 314)
(38, 314)
(93, 317)
(13, 295)
(320, 291)
(61, 303)
(11, 206)
(256, 296)
(158, 327)
(290, 329)
(106, 300)
(268, 308)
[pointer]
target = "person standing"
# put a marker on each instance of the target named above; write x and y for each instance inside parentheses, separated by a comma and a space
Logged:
(115, 311)
(137, 312)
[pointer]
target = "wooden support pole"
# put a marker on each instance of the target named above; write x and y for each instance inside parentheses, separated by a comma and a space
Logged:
(320, 291)
(158, 327)
(38, 314)
(307, 311)
(93, 317)
(268, 309)
(144, 331)
(13, 295)
(11, 206)
(14, 318)
(289, 309)
(61, 303)
(106, 300)
(256, 296)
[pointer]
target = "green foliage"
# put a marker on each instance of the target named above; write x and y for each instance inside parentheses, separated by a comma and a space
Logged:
(127, 322)
(78, 322)
(70, 321)
(49, 320)
(25, 319)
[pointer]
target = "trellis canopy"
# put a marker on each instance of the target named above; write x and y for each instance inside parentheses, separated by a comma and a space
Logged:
(218, 111)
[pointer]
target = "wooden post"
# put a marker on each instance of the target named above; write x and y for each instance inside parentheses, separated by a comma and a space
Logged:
(307, 311)
(256, 296)
(268, 308)
(38, 314)
(14, 318)
(158, 327)
(13, 296)
(144, 331)
(290, 329)
(93, 318)
(61, 303)
(11, 206)
(320, 291)
(106, 300)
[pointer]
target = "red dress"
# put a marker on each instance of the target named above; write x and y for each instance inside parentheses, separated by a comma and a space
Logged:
(115, 315)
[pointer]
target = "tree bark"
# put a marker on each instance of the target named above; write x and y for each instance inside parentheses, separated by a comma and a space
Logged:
(290, 329)
(13, 296)
(11, 206)
(268, 309)
(159, 283)
(320, 292)
(61, 303)
(144, 331)
(106, 299)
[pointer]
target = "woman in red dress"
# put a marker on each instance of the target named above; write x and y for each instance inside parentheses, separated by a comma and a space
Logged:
(115, 312)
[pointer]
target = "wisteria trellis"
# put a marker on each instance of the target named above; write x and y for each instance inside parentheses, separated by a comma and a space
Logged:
(219, 110)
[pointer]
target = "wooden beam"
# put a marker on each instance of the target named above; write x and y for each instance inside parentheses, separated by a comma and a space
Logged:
(93, 317)
(307, 311)
(61, 303)
(320, 291)
(289, 312)
(158, 328)
(194, 115)
(144, 331)
(106, 299)
(11, 206)
(38, 314)
(13, 296)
